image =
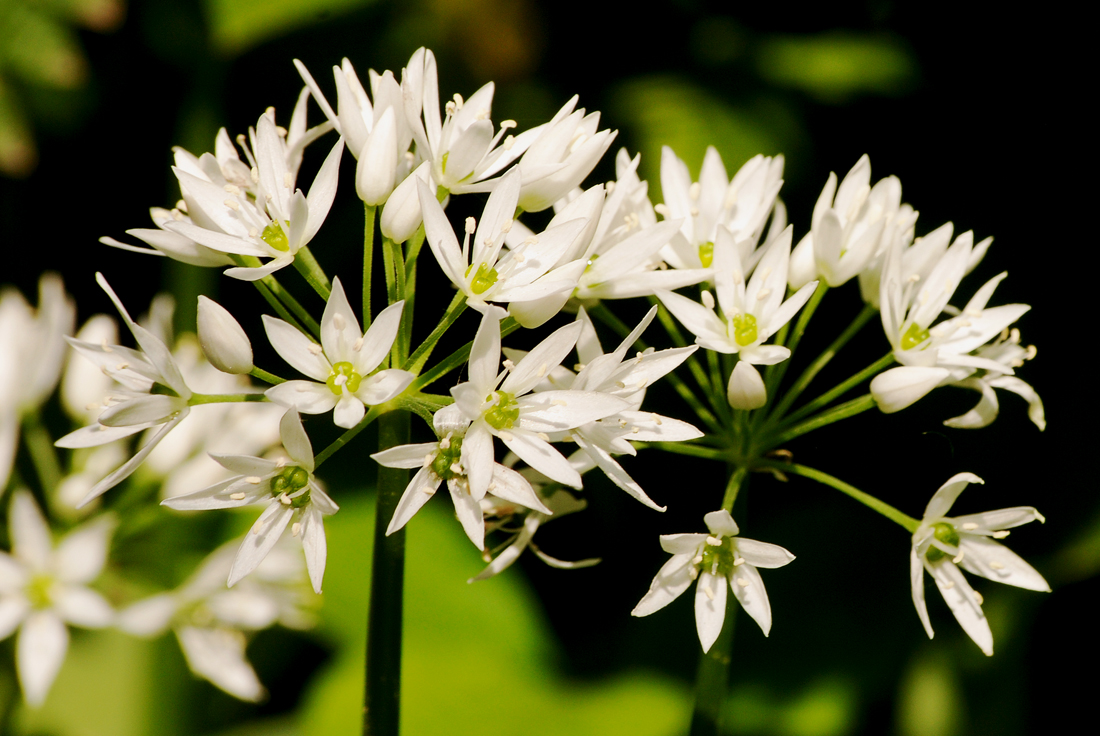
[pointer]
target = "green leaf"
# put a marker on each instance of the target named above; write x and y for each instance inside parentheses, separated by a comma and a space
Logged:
(238, 25)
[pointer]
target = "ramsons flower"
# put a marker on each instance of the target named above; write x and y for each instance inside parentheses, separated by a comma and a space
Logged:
(343, 365)
(715, 560)
(942, 544)
(43, 588)
(293, 496)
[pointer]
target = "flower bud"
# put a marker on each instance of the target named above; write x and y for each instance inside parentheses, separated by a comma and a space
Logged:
(746, 388)
(401, 215)
(222, 339)
(378, 162)
(899, 387)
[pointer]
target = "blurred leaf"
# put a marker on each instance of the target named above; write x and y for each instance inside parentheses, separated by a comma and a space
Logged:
(238, 25)
(930, 701)
(1080, 559)
(35, 47)
(105, 687)
(474, 654)
(834, 67)
(828, 707)
(17, 151)
(673, 112)
(98, 15)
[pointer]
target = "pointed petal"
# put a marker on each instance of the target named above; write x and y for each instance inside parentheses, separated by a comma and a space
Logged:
(297, 349)
(40, 651)
(674, 577)
(992, 560)
(945, 496)
(260, 539)
(422, 487)
(710, 608)
(762, 554)
(469, 515)
(748, 587)
(962, 602)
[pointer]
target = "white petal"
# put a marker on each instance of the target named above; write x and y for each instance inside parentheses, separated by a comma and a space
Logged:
(340, 328)
(30, 536)
(13, 609)
(671, 581)
(296, 349)
(223, 340)
(710, 608)
(349, 410)
(477, 458)
(260, 539)
(469, 515)
(379, 338)
(897, 388)
(81, 554)
(148, 617)
(746, 387)
(992, 560)
(83, 607)
(962, 602)
(511, 486)
(422, 487)
(383, 386)
(988, 521)
(405, 456)
(143, 410)
(538, 453)
(614, 471)
(945, 495)
(313, 543)
(218, 656)
(40, 651)
(123, 472)
(546, 355)
(748, 586)
(916, 582)
(720, 522)
(295, 440)
(305, 396)
(762, 554)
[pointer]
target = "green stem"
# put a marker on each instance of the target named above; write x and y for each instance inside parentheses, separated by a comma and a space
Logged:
(412, 250)
(197, 399)
(842, 388)
(266, 377)
(822, 360)
(292, 304)
(736, 481)
(282, 311)
(457, 359)
(416, 361)
(369, 212)
(382, 696)
(348, 436)
(41, 448)
(684, 448)
(311, 271)
(795, 337)
(395, 262)
(908, 522)
(825, 418)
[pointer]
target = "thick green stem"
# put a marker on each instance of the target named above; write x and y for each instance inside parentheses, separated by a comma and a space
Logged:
(417, 360)
(382, 697)
(841, 411)
(822, 360)
(266, 377)
(311, 271)
(841, 388)
(736, 481)
(369, 212)
(197, 399)
(866, 499)
(41, 448)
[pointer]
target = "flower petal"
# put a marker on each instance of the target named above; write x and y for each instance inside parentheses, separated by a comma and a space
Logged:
(992, 560)
(40, 651)
(260, 539)
(422, 487)
(218, 656)
(748, 587)
(674, 577)
(710, 608)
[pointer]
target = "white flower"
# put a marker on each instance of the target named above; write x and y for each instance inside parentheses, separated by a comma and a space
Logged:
(291, 492)
(209, 620)
(165, 242)
(502, 408)
(941, 544)
(848, 223)
(342, 364)
(442, 461)
(1007, 351)
(716, 559)
(750, 313)
(32, 352)
(265, 216)
(42, 589)
(223, 340)
(152, 393)
(504, 512)
(483, 273)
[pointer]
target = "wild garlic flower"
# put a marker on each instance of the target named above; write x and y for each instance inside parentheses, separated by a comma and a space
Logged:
(500, 405)
(151, 393)
(265, 216)
(223, 340)
(343, 365)
(504, 513)
(485, 272)
(847, 227)
(210, 621)
(293, 496)
(741, 205)
(715, 560)
(934, 355)
(942, 544)
(43, 589)
(441, 461)
(750, 313)
(1007, 351)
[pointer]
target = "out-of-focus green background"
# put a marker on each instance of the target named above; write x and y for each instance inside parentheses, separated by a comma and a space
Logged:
(976, 110)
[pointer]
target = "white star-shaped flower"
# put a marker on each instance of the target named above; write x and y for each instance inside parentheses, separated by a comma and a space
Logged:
(343, 365)
(715, 560)
(942, 544)
(42, 589)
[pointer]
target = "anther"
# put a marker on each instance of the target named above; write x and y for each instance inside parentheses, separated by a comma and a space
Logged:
(531, 240)
(959, 557)
(339, 322)
(662, 210)
(288, 180)
(295, 529)
(543, 436)
(471, 225)
(714, 541)
(285, 499)
(949, 585)
(482, 114)
(542, 370)
(314, 349)
(358, 345)
(694, 211)
(232, 189)
(969, 526)
(698, 559)
(708, 299)
(763, 294)
(1001, 534)
(506, 124)
(709, 592)
(122, 366)
(509, 365)
(558, 402)
(237, 496)
(507, 226)
(253, 479)
(738, 561)
(657, 419)
(232, 204)
(743, 582)
(509, 141)
(695, 190)
(978, 597)
(578, 367)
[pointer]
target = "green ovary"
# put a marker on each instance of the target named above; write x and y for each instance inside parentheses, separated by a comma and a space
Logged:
(483, 279)
(744, 329)
(446, 458)
(706, 254)
(38, 592)
(724, 555)
(289, 481)
(274, 236)
(945, 533)
(351, 378)
(914, 336)
(504, 413)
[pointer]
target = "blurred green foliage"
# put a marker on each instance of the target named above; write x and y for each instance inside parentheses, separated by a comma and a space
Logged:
(238, 25)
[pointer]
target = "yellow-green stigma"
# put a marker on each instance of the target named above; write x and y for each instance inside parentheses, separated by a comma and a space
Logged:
(448, 458)
(945, 533)
(744, 329)
(289, 481)
(38, 591)
(914, 336)
(274, 236)
(485, 277)
(706, 254)
(504, 412)
(723, 554)
(351, 379)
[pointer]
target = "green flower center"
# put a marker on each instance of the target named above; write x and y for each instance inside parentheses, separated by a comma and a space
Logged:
(160, 388)
(343, 374)
(945, 533)
(914, 336)
(706, 254)
(723, 554)
(485, 277)
(744, 329)
(290, 480)
(274, 236)
(38, 591)
(504, 413)
(447, 458)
